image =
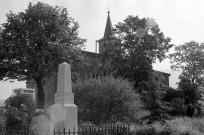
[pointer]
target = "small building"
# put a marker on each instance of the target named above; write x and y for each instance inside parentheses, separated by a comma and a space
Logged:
(108, 41)
(24, 91)
(165, 77)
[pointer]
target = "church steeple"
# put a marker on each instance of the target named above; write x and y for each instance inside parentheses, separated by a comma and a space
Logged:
(109, 28)
(109, 40)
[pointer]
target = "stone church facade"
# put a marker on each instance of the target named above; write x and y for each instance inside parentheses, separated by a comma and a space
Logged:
(109, 39)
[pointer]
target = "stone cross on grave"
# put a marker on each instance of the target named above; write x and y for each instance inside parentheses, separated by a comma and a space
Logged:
(65, 98)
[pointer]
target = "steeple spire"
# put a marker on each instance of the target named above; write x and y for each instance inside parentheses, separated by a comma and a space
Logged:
(109, 40)
(109, 28)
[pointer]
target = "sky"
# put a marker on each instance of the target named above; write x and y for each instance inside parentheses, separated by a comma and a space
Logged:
(181, 20)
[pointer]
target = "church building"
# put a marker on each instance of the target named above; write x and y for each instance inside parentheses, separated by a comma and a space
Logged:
(108, 40)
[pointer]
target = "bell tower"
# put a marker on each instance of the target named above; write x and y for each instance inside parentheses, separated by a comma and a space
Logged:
(109, 40)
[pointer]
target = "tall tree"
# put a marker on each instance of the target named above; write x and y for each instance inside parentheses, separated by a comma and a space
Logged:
(34, 42)
(190, 58)
(142, 43)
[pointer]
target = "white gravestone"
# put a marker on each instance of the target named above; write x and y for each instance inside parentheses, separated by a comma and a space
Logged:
(67, 114)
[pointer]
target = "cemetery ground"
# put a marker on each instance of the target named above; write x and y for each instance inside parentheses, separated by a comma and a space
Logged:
(138, 103)
(176, 126)
(61, 118)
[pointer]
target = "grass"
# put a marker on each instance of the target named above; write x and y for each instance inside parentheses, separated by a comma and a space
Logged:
(176, 126)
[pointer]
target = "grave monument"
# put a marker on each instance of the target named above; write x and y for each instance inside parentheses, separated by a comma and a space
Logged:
(64, 111)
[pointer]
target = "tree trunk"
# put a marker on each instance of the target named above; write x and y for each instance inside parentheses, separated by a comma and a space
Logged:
(40, 94)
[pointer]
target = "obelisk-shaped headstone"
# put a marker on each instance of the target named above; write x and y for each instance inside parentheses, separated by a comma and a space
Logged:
(65, 98)
(64, 85)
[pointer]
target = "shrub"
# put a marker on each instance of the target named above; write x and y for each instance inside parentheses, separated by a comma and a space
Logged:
(106, 99)
(184, 100)
(40, 125)
(145, 130)
(20, 110)
(172, 94)
(176, 126)
(192, 95)
(198, 124)
(179, 109)
(180, 126)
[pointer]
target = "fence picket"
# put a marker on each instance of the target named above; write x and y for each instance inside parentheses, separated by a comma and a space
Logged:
(106, 129)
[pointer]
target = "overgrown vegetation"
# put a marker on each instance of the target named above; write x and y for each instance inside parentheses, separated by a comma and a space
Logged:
(142, 43)
(189, 58)
(176, 126)
(20, 110)
(152, 98)
(107, 99)
(34, 42)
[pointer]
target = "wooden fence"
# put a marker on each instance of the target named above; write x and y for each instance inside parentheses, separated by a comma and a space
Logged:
(107, 129)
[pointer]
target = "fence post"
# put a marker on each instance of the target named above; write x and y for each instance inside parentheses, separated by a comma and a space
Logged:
(64, 131)
(74, 131)
(81, 130)
(97, 127)
(106, 129)
(128, 130)
(92, 129)
(118, 129)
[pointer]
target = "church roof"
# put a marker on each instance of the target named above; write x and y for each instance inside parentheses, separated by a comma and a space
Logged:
(164, 73)
(109, 28)
(91, 54)
(108, 34)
